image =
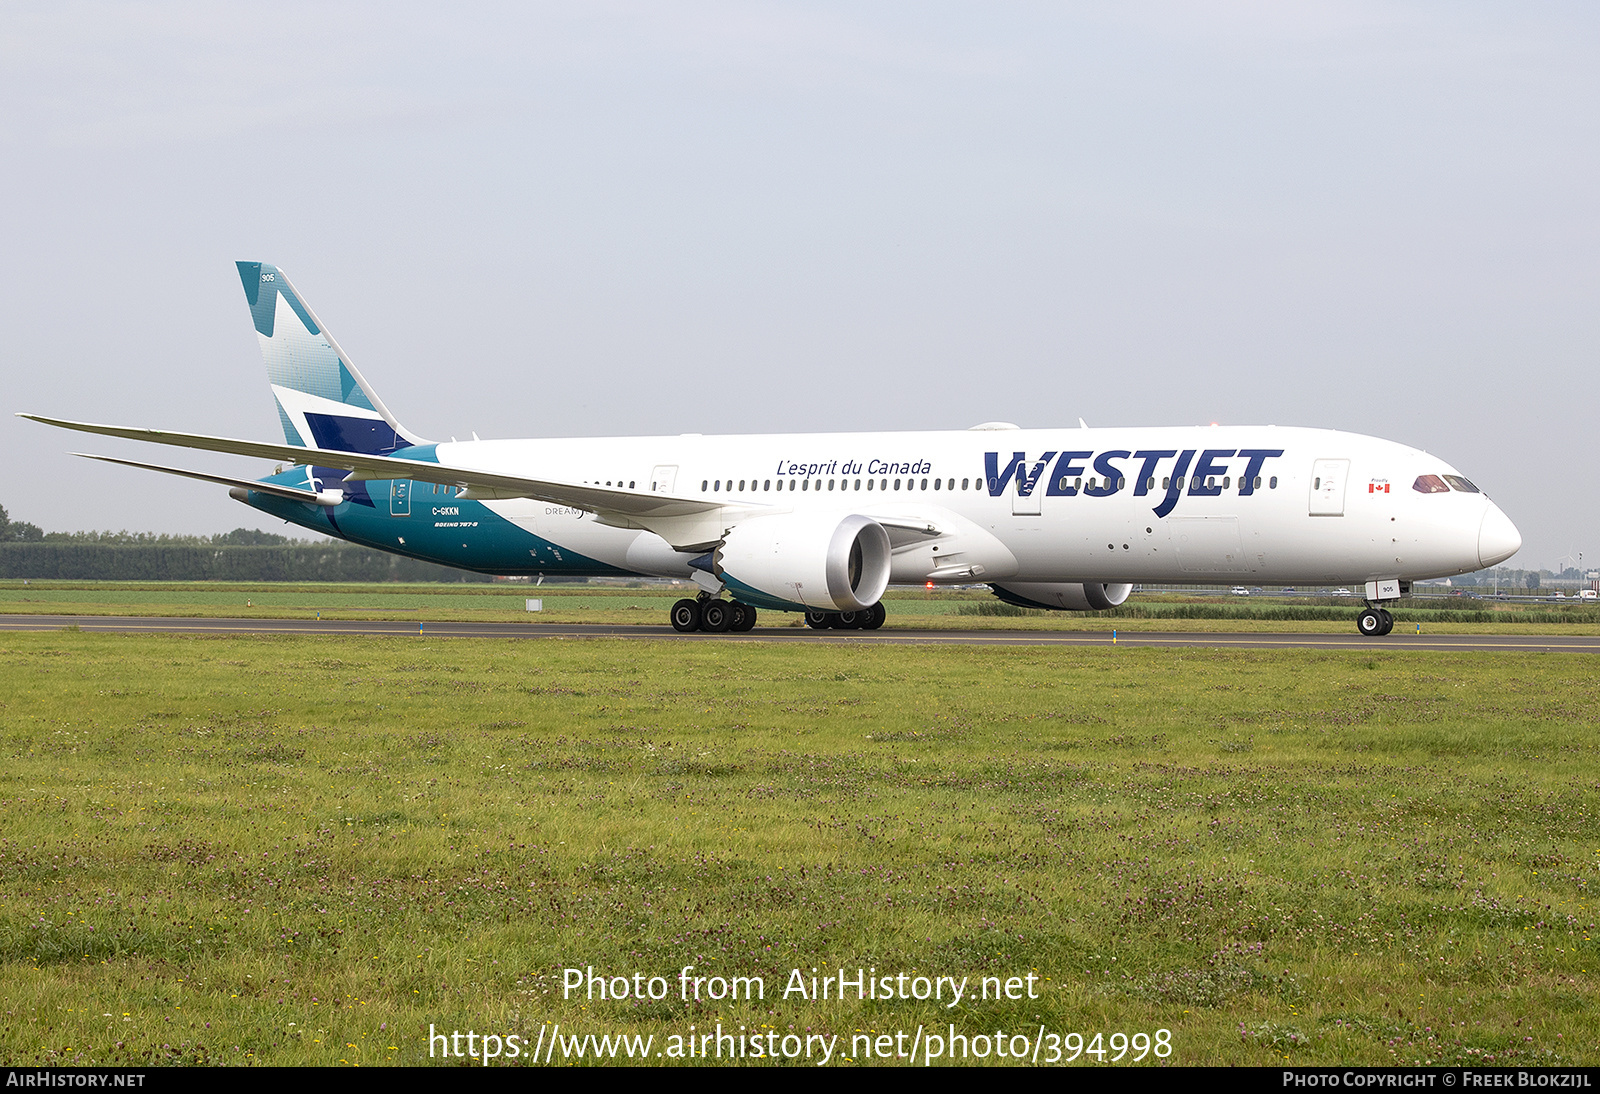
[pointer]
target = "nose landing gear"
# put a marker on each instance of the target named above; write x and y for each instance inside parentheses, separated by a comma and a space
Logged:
(1374, 623)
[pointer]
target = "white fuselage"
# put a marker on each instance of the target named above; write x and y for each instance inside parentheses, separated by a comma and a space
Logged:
(1223, 505)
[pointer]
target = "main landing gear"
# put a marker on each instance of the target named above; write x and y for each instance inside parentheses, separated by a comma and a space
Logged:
(1374, 623)
(870, 619)
(712, 616)
(706, 613)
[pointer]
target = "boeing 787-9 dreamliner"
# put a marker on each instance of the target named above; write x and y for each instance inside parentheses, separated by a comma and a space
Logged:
(823, 523)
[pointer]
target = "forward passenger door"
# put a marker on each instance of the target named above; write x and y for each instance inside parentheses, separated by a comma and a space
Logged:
(1327, 487)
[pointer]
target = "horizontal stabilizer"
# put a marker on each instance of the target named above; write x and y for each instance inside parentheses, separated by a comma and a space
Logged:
(277, 490)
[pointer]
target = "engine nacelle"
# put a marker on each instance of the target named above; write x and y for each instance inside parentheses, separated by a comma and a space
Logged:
(831, 563)
(1088, 596)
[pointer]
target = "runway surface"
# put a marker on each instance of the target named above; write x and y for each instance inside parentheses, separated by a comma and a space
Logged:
(1399, 640)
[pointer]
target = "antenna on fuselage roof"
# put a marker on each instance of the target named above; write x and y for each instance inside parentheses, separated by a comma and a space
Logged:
(1082, 424)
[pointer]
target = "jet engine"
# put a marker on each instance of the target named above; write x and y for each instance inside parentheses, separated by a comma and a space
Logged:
(1087, 596)
(831, 563)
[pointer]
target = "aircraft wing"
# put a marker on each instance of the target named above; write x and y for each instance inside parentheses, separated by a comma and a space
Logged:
(907, 530)
(686, 523)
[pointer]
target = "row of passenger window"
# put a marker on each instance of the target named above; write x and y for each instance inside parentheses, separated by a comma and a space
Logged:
(1095, 485)
(1104, 486)
(717, 485)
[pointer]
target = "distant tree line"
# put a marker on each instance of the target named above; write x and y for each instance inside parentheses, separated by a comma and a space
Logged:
(18, 531)
(244, 554)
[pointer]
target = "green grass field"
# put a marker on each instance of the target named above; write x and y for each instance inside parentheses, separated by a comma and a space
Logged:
(309, 851)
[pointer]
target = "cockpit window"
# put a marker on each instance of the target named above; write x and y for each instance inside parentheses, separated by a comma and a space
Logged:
(1461, 484)
(1430, 484)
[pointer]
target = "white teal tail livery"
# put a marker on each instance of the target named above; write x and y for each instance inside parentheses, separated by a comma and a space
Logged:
(323, 402)
(1065, 519)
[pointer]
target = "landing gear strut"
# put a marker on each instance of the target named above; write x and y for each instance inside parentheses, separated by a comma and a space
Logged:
(1374, 623)
(712, 616)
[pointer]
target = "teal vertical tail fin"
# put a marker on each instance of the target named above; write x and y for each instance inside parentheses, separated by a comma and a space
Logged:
(323, 402)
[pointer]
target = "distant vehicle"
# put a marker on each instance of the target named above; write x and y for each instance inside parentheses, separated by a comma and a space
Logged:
(1240, 590)
(1288, 592)
(1342, 592)
(1559, 595)
(1588, 594)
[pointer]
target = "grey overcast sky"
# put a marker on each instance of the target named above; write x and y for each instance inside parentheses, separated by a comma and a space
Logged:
(540, 219)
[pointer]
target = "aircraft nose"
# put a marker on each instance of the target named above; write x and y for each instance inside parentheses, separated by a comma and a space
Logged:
(1498, 538)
